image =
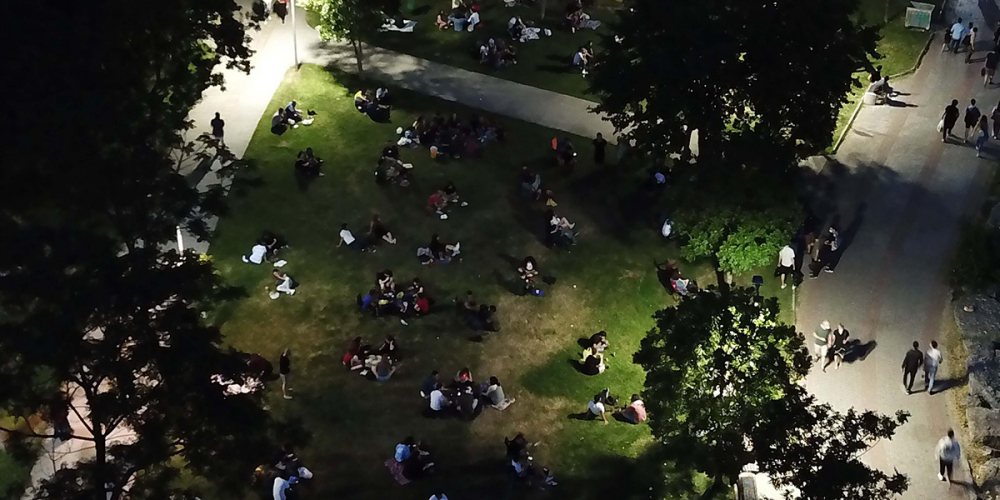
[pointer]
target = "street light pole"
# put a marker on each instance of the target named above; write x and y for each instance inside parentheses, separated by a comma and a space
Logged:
(295, 41)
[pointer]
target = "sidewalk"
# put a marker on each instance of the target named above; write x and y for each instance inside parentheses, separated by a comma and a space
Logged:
(900, 192)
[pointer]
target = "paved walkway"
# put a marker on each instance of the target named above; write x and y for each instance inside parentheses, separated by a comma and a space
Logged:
(900, 192)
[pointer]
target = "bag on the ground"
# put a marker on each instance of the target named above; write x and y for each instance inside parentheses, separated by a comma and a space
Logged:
(940, 126)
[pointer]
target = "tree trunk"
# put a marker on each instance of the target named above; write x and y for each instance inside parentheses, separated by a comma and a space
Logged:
(885, 16)
(101, 477)
(544, 4)
(715, 490)
(359, 56)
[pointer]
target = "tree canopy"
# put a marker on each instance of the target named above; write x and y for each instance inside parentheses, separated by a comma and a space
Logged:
(93, 302)
(722, 392)
(783, 68)
(354, 21)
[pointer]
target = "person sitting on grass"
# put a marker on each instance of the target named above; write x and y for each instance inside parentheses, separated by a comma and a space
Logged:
(635, 412)
(493, 392)
(285, 283)
(382, 96)
(581, 61)
(428, 385)
(348, 238)
(560, 230)
(256, 255)
(599, 341)
(361, 101)
(292, 114)
(416, 461)
(443, 253)
(378, 231)
(388, 348)
(274, 244)
(473, 18)
(468, 306)
(595, 409)
(421, 304)
(369, 302)
(278, 123)
(436, 204)
(467, 403)
(386, 282)
(528, 271)
(593, 364)
(383, 369)
(442, 23)
(515, 27)
(438, 402)
(308, 163)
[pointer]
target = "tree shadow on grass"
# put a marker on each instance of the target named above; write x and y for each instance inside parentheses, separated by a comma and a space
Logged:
(648, 476)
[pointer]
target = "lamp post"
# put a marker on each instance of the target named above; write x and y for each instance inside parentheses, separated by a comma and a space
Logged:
(295, 42)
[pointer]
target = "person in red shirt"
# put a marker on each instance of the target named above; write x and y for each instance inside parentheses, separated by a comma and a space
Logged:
(436, 202)
(635, 412)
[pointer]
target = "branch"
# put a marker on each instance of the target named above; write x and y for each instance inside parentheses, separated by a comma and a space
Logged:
(82, 420)
(33, 434)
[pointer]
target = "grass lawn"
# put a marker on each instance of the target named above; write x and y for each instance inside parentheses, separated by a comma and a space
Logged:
(543, 63)
(900, 47)
(607, 282)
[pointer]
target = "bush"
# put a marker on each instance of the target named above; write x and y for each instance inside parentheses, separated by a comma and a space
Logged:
(13, 476)
(975, 264)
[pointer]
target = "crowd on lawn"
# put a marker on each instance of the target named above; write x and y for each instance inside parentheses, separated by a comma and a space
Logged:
(445, 139)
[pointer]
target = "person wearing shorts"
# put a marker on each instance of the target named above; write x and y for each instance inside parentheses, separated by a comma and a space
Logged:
(786, 264)
(821, 340)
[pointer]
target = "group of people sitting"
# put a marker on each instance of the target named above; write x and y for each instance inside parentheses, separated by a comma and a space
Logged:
(266, 248)
(307, 168)
(462, 17)
(374, 364)
(677, 282)
(592, 359)
(577, 19)
(604, 403)
(377, 106)
(289, 116)
(391, 168)
(496, 54)
(462, 396)
(282, 473)
(583, 58)
(439, 252)
(521, 465)
(451, 137)
(441, 200)
(414, 459)
(478, 317)
(561, 232)
(387, 298)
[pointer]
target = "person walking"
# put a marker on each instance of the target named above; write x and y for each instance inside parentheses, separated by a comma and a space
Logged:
(972, 34)
(950, 118)
(217, 128)
(821, 337)
(281, 9)
(600, 146)
(982, 135)
(913, 359)
(285, 371)
(786, 265)
(932, 360)
(990, 67)
(840, 336)
(947, 452)
(827, 252)
(995, 116)
(957, 33)
(972, 115)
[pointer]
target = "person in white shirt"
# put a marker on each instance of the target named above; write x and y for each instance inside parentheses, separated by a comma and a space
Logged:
(281, 485)
(947, 452)
(596, 408)
(786, 264)
(348, 238)
(957, 33)
(473, 19)
(932, 359)
(256, 255)
(438, 401)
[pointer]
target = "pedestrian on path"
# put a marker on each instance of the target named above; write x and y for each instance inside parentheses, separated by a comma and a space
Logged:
(949, 118)
(281, 9)
(995, 116)
(990, 67)
(600, 145)
(983, 135)
(972, 115)
(932, 359)
(827, 252)
(957, 32)
(947, 452)
(913, 359)
(217, 128)
(996, 36)
(786, 265)
(836, 346)
(285, 371)
(821, 338)
(973, 33)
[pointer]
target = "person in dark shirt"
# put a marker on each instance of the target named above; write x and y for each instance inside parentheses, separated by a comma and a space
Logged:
(600, 145)
(217, 128)
(950, 118)
(990, 67)
(911, 362)
(429, 384)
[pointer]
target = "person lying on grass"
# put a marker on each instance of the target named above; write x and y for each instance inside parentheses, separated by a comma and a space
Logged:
(377, 231)
(528, 271)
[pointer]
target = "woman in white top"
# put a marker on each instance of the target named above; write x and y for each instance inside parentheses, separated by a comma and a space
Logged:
(256, 255)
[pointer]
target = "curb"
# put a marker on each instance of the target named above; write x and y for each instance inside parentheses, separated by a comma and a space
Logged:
(913, 69)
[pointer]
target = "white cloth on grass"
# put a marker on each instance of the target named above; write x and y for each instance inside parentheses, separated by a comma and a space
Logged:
(256, 254)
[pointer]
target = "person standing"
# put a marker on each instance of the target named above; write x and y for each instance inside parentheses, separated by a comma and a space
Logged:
(285, 371)
(840, 339)
(786, 264)
(600, 145)
(828, 252)
(972, 34)
(932, 360)
(913, 359)
(821, 337)
(972, 115)
(982, 135)
(217, 128)
(990, 67)
(950, 118)
(947, 452)
(957, 33)
(995, 116)
(281, 9)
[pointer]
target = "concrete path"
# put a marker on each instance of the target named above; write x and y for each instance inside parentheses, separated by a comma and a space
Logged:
(900, 192)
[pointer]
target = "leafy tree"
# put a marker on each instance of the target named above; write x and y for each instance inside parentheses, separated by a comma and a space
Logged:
(783, 68)
(722, 392)
(354, 21)
(92, 301)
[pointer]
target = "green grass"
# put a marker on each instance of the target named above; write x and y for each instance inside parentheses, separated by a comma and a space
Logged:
(607, 282)
(899, 46)
(543, 63)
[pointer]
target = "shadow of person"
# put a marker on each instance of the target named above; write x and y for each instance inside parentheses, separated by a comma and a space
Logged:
(943, 384)
(856, 351)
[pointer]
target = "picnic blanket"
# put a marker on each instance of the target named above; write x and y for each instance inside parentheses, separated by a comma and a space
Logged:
(591, 24)
(504, 404)
(530, 34)
(396, 469)
(408, 25)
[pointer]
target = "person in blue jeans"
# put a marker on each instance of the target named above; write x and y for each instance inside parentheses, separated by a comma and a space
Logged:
(957, 33)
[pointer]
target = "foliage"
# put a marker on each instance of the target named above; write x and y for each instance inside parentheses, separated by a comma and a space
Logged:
(976, 263)
(354, 21)
(741, 240)
(13, 475)
(717, 71)
(722, 392)
(93, 303)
